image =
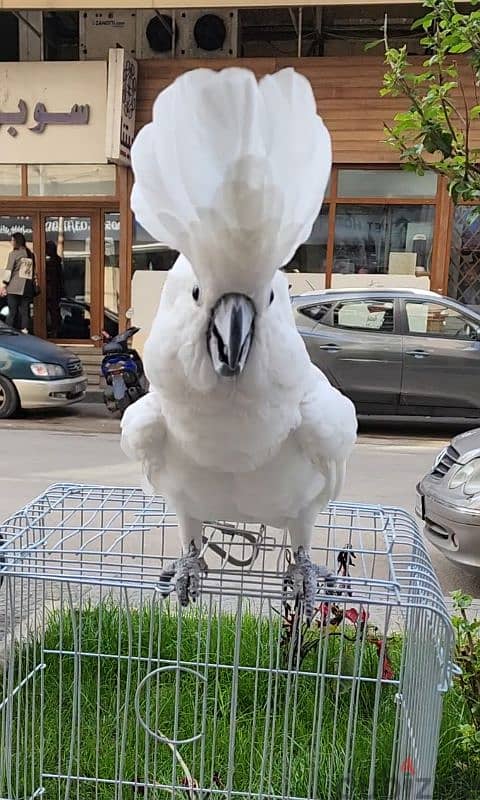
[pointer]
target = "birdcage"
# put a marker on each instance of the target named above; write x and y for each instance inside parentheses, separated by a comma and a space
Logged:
(109, 690)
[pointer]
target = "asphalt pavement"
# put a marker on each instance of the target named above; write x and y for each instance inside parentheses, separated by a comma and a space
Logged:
(81, 445)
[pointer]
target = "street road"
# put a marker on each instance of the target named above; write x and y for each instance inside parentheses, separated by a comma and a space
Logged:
(384, 469)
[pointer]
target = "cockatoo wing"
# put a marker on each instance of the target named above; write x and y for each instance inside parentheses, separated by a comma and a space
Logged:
(232, 172)
(328, 431)
(143, 435)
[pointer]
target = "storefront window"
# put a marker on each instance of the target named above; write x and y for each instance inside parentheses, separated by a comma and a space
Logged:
(371, 239)
(66, 180)
(149, 254)
(111, 295)
(10, 180)
(312, 256)
(10, 224)
(68, 297)
(464, 273)
(385, 183)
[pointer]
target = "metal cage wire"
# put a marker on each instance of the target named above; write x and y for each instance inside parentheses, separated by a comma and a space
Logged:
(108, 690)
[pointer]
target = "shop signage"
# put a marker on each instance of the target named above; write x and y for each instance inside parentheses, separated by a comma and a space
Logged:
(121, 105)
(73, 228)
(9, 225)
(53, 112)
(78, 115)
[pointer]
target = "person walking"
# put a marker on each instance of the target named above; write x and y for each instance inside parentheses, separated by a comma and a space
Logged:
(19, 283)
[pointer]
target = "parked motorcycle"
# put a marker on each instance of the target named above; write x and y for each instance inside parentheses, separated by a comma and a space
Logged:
(122, 369)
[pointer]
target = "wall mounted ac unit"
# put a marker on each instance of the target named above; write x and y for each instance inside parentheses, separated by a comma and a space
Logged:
(205, 33)
(157, 33)
(101, 30)
(192, 33)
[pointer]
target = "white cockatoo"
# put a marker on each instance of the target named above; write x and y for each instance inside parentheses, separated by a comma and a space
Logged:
(238, 424)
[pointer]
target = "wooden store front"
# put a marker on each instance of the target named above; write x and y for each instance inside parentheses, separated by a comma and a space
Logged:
(379, 226)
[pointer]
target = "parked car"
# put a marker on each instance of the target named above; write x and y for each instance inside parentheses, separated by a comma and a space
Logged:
(395, 351)
(36, 374)
(448, 500)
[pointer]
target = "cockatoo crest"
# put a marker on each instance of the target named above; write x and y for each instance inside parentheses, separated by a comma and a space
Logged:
(232, 173)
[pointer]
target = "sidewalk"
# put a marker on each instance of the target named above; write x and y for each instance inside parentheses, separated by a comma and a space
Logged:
(82, 418)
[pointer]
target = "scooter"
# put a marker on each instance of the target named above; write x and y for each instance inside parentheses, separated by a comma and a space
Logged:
(122, 370)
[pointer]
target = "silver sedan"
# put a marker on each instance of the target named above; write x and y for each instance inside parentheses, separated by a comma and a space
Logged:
(448, 500)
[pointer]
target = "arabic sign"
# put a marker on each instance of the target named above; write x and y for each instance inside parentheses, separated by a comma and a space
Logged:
(121, 105)
(77, 116)
(52, 112)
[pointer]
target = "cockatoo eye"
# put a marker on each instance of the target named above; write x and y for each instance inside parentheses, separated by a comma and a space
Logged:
(272, 297)
(196, 293)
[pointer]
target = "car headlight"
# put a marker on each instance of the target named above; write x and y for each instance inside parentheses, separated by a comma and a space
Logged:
(47, 370)
(468, 477)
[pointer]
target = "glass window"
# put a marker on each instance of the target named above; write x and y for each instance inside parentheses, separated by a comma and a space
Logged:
(10, 180)
(111, 295)
(312, 256)
(464, 273)
(317, 312)
(149, 254)
(383, 239)
(434, 319)
(68, 276)
(65, 180)
(385, 183)
(367, 315)
(10, 224)
(60, 35)
(9, 38)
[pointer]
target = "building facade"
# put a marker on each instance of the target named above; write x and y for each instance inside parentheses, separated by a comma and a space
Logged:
(65, 115)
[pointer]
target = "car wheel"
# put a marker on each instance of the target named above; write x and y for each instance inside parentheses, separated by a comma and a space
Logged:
(9, 402)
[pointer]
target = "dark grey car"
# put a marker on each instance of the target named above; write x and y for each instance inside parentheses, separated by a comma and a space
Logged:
(397, 351)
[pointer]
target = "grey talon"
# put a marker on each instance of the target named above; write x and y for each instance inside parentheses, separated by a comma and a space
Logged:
(303, 576)
(186, 571)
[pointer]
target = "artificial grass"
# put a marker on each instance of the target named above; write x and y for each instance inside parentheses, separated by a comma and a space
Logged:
(271, 752)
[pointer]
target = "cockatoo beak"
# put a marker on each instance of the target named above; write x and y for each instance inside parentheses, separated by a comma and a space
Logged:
(230, 334)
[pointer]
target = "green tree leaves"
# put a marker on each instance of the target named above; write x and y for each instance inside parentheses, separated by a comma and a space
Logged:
(435, 132)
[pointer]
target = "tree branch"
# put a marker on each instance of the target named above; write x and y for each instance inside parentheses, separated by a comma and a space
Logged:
(445, 107)
(467, 130)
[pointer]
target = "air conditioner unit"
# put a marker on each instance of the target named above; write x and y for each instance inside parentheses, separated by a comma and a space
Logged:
(101, 30)
(208, 33)
(30, 36)
(199, 33)
(157, 33)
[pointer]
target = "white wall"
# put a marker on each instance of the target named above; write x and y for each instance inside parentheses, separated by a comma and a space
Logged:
(146, 291)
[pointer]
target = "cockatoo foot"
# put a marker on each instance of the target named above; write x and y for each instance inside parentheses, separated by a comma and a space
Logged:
(303, 576)
(186, 571)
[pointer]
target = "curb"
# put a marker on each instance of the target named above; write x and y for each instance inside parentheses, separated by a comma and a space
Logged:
(93, 397)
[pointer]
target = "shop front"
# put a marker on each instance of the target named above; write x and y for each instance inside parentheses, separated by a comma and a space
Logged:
(379, 226)
(80, 289)
(57, 188)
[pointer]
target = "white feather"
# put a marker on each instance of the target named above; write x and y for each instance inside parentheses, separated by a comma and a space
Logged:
(232, 172)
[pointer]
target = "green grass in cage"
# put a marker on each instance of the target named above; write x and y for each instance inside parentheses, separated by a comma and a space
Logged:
(275, 714)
